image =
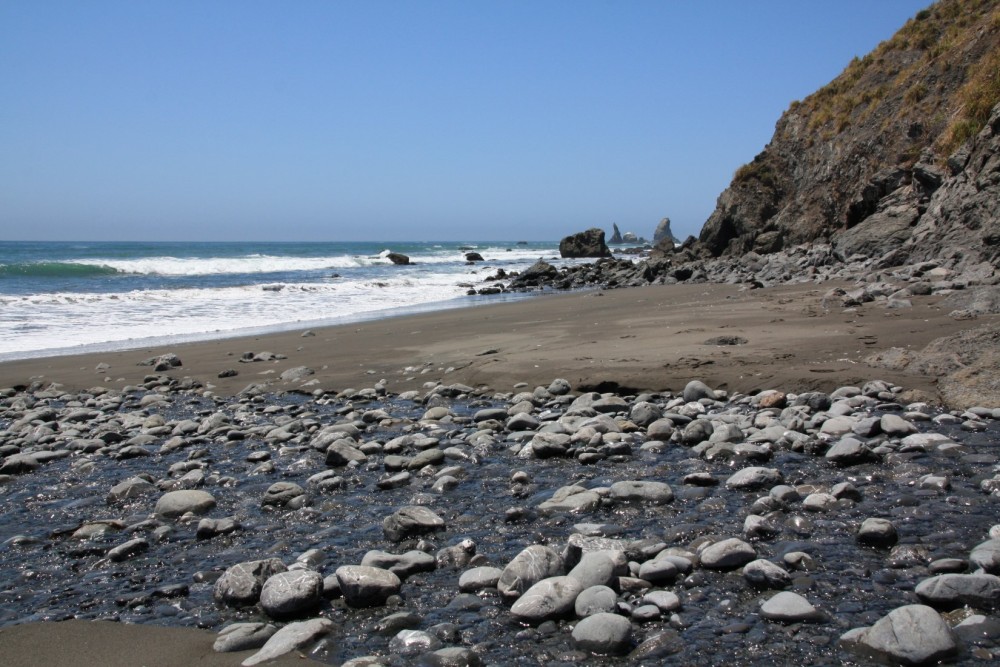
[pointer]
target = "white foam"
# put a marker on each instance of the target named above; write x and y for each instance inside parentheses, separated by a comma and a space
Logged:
(54, 321)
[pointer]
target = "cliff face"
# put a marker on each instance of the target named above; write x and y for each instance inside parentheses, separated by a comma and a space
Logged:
(896, 153)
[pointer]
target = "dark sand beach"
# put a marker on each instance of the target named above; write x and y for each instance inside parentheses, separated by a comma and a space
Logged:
(654, 338)
(650, 338)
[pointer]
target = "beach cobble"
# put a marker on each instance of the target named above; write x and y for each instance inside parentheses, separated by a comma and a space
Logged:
(461, 525)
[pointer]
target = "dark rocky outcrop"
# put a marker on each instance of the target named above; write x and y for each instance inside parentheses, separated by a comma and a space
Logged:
(898, 153)
(398, 258)
(585, 244)
(616, 236)
(664, 233)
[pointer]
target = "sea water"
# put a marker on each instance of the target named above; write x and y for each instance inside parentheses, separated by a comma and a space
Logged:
(61, 298)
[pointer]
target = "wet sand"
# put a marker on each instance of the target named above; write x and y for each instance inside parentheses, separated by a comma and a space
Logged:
(648, 338)
(93, 643)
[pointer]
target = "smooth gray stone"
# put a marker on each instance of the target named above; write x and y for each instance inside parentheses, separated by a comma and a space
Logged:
(281, 494)
(877, 532)
(729, 553)
(413, 642)
(290, 638)
(402, 565)
(343, 452)
(756, 527)
(753, 478)
(603, 634)
(134, 487)
(211, 527)
(533, 564)
(452, 656)
(788, 607)
(241, 584)
(600, 568)
(549, 599)
(896, 426)
(986, 555)
(478, 578)
(765, 574)
(838, 426)
(848, 451)
(243, 637)
(658, 571)
(595, 600)
(364, 586)
(410, 521)
(665, 601)
(428, 457)
(658, 493)
(522, 422)
(645, 414)
(981, 591)
(289, 593)
(696, 390)
(581, 500)
(912, 635)
(128, 550)
(177, 503)
(660, 429)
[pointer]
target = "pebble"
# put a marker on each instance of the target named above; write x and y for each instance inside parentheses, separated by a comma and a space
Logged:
(495, 545)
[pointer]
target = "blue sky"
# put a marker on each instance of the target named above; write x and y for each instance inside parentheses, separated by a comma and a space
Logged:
(419, 120)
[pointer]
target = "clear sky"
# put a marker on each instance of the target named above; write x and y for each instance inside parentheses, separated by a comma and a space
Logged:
(341, 120)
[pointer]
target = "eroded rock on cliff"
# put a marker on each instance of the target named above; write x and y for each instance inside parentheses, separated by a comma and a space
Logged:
(897, 154)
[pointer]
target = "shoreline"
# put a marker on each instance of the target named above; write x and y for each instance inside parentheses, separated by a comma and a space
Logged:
(654, 338)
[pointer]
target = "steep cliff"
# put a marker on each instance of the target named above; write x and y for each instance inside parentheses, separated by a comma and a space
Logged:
(898, 154)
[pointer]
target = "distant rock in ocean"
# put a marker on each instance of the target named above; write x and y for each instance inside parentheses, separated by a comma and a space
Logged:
(663, 232)
(398, 258)
(616, 237)
(585, 244)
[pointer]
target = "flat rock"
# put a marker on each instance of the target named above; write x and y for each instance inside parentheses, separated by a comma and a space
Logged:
(410, 521)
(365, 586)
(177, 503)
(290, 638)
(754, 477)
(243, 637)
(726, 554)
(549, 599)
(657, 493)
(981, 591)
(478, 578)
(402, 565)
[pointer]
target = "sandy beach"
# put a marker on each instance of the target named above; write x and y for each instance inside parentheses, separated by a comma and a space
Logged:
(654, 338)
(650, 338)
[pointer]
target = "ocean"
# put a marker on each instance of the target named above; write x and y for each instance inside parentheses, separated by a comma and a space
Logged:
(63, 298)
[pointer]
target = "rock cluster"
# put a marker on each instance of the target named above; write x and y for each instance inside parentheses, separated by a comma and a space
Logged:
(460, 525)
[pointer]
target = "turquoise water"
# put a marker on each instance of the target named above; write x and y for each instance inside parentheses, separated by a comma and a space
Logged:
(67, 297)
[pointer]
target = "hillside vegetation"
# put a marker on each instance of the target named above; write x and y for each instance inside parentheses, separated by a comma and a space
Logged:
(879, 135)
